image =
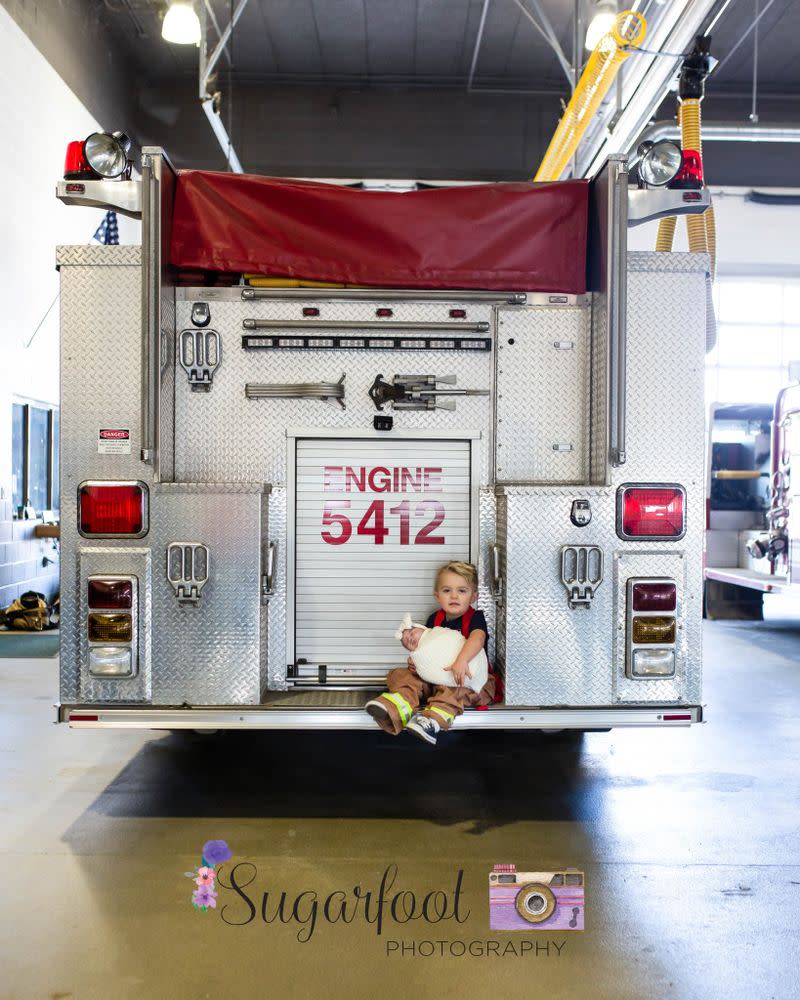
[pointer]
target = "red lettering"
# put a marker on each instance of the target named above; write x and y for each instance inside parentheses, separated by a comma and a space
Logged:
(403, 510)
(332, 477)
(378, 531)
(329, 516)
(424, 536)
(382, 485)
(350, 476)
(407, 479)
(433, 480)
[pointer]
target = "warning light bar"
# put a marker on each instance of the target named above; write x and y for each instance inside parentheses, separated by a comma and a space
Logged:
(254, 342)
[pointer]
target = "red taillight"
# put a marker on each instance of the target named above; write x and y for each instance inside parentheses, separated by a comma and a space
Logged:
(113, 509)
(75, 165)
(651, 512)
(691, 173)
(384, 313)
(654, 596)
(110, 594)
(458, 313)
(310, 311)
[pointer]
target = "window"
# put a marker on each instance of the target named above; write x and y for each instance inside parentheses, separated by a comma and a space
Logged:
(758, 334)
(34, 456)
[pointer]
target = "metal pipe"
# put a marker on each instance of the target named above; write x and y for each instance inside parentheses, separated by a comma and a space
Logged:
(314, 324)
(478, 41)
(223, 138)
(383, 295)
(720, 132)
(744, 36)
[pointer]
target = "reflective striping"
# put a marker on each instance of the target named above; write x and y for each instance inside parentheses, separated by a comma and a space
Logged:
(400, 703)
(447, 716)
(374, 520)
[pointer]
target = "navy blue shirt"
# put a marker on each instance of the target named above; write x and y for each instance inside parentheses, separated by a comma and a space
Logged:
(478, 620)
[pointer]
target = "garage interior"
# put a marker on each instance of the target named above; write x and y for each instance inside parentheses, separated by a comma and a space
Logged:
(688, 839)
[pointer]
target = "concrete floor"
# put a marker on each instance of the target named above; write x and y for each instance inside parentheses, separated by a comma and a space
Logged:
(689, 840)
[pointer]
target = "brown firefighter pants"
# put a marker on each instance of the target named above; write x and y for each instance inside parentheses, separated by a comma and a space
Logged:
(407, 692)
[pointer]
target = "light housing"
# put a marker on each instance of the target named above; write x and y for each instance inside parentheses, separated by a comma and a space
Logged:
(651, 510)
(690, 176)
(112, 509)
(653, 663)
(654, 596)
(660, 163)
(110, 593)
(110, 628)
(107, 153)
(181, 25)
(601, 24)
(109, 661)
(653, 630)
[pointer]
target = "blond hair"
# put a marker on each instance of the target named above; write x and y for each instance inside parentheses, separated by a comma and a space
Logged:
(463, 569)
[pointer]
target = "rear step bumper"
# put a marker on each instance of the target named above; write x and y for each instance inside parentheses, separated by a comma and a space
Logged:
(327, 717)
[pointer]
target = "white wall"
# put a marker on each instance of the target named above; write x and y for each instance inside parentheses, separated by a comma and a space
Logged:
(40, 116)
(751, 239)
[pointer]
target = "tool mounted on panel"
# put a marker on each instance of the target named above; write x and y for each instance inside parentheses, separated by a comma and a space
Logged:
(297, 390)
(418, 392)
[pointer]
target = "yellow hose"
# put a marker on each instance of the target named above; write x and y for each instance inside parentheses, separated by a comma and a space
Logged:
(711, 239)
(611, 51)
(690, 139)
(666, 233)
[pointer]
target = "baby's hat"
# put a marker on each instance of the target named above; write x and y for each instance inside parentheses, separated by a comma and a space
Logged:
(406, 623)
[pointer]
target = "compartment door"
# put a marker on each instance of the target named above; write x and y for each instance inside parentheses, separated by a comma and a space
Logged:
(374, 519)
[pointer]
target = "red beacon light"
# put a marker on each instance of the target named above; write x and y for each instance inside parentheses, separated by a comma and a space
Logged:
(100, 156)
(657, 511)
(118, 509)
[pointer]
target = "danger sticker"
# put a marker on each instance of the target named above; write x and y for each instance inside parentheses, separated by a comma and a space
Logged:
(114, 441)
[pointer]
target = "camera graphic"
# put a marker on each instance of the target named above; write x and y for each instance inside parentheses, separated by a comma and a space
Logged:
(535, 901)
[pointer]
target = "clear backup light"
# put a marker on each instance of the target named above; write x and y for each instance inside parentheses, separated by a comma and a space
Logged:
(107, 153)
(110, 661)
(660, 163)
(656, 511)
(112, 509)
(653, 663)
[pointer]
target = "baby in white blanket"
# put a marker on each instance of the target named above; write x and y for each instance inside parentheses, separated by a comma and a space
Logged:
(434, 651)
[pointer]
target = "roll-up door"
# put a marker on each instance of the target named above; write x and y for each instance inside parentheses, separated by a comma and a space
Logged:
(374, 519)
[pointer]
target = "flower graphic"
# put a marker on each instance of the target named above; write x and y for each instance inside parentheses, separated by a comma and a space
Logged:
(214, 853)
(204, 897)
(206, 876)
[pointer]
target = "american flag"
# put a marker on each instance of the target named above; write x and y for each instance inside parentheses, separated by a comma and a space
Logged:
(107, 232)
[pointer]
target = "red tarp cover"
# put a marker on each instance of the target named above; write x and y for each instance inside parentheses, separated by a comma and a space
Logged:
(516, 236)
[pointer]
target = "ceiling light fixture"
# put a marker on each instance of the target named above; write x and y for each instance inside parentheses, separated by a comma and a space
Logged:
(603, 17)
(181, 24)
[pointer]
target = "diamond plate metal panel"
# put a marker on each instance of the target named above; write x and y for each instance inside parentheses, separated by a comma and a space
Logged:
(100, 379)
(213, 653)
(488, 536)
(598, 443)
(97, 560)
(650, 262)
(631, 564)
(206, 450)
(543, 394)
(555, 655)
(665, 405)
(95, 254)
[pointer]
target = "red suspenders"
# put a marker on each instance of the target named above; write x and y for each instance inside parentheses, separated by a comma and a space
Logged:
(437, 621)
